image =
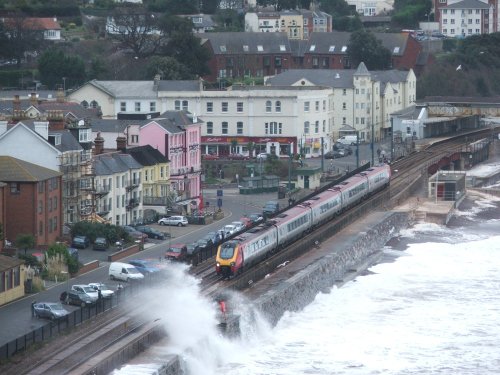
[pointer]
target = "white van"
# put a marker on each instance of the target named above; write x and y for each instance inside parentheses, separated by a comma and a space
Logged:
(124, 272)
(349, 140)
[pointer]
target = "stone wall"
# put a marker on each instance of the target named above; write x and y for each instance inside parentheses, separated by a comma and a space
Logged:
(358, 254)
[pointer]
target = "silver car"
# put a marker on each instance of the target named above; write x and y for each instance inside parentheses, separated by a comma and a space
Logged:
(50, 310)
(180, 221)
(106, 292)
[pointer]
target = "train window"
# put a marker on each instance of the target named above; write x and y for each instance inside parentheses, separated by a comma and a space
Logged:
(227, 250)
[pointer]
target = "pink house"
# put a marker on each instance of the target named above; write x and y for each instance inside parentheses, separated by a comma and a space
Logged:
(177, 135)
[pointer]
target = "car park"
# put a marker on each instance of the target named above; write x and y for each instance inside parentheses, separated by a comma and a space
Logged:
(246, 221)
(176, 251)
(124, 272)
(91, 292)
(180, 221)
(100, 243)
(193, 249)
(205, 244)
(135, 234)
(144, 266)
(80, 242)
(106, 291)
(215, 237)
(50, 310)
(152, 232)
(340, 146)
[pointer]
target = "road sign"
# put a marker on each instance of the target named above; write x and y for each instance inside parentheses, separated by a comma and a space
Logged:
(219, 192)
(219, 202)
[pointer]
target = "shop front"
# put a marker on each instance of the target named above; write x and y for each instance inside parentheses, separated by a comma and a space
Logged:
(248, 146)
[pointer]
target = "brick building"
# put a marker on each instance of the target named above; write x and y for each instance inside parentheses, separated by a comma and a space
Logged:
(32, 202)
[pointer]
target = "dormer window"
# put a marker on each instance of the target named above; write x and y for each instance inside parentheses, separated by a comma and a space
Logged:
(260, 48)
(197, 20)
(282, 48)
(344, 48)
(84, 135)
(331, 49)
(55, 139)
(222, 48)
(312, 48)
(396, 50)
(245, 48)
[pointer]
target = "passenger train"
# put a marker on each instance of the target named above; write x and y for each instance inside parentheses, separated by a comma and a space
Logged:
(257, 243)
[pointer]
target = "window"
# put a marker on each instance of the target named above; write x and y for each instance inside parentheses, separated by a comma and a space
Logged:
(312, 48)
(224, 106)
(331, 49)
(245, 48)
(316, 127)
(177, 105)
(306, 106)
(324, 126)
(225, 127)
(210, 127)
(445, 21)
(123, 106)
(239, 127)
(277, 61)
(324, 105)
(260, 48)
(222, 48)
(273, 127)
(470, 11)
(93, 104)
(344, 48)
(344, 120)
(344, 92)
(452, 11)
(135, 138)
(306, 127)
(185, 105)
(282, 48)
(152, 106)
(239, 107)
(278, 106)
(268, 106)
(137, 106)
(84, 135)
(40, 206)
(210, 107)
(478, 22)
(316, 105)
(344, 105)
(452, 21)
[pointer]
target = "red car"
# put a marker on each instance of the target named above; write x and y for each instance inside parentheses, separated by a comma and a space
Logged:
(176, 251)
(210, 157)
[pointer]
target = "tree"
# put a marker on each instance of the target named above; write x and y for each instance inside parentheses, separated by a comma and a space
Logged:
(229, 20)
(60, 251)
(168, 68)
(336, 7)
(53, 65)
(364, 47)
(209, 6)
(25, 241)
(174, 6)
(137, 30)
(20, 35)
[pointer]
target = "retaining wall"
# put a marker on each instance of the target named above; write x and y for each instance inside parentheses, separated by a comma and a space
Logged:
(358, 253)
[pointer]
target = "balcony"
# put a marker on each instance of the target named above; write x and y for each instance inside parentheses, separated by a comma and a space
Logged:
(131, 185)
(101, 191)
(104, 210)
(69, 168)
(132, 203)
(154, 201)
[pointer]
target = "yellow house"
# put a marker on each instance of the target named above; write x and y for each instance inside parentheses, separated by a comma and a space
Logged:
(292, 22)
(11, 279)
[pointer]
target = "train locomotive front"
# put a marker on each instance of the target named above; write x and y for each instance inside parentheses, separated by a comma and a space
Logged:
(229, 259)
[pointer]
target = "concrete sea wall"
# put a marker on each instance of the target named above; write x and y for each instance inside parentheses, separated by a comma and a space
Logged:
(352, 251)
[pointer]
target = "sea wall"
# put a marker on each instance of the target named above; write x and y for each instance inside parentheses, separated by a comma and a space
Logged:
(351, 253)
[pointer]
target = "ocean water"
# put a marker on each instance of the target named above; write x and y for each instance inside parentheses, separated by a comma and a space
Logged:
(432, 306)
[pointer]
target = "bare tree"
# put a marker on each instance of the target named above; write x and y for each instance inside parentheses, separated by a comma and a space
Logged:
(136, 30)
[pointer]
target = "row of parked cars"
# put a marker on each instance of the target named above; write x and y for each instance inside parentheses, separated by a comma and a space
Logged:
(260, 156)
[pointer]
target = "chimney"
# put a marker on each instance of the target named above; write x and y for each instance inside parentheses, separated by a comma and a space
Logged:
(33, 98)
(121, 143)
(99, 144)
(156, 81)
(16, 104)
(42, 128)
(60, 95)
(3, 127)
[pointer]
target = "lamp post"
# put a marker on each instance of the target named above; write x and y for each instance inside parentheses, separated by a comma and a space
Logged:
(290, 156)
(373, 146)
(322, 155)
(357, 148)
(392, 140)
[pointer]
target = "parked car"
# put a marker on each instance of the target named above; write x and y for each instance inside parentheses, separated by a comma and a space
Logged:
(152, 232)
(135, 234)
(193, 251)
(180, 221)
(239, 226)
(256, 218)
(100, 243)
(205, 244)
(247, 221)
(237, 157)
(144, 266)
(334, 154)
(50, 310)
(106, 291)
(215, 237)
(340, 146)
(91, 292)
(271, 208)
(210, 157)
(74, 297)
(80, 242)
(176, 251)
(124, 272)
(229, 229)
(262, 156)
(73, 253)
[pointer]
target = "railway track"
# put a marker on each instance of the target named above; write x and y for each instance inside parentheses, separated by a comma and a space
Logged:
(69, 352)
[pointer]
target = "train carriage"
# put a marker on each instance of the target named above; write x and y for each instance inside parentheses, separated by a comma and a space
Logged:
(378, 177)
(352, 190)
(325, 205)
(246, 249)
(293, 223)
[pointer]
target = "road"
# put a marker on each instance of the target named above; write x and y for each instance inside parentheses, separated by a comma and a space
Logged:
(15, 317)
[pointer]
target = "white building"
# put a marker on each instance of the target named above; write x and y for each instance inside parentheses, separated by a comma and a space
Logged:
(466, 18)
(372, 7)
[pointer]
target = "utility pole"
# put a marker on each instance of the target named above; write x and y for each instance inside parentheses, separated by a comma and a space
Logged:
(322, 154)
(373, 146)
(357, 149)
(392, 140)
(290, 155)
